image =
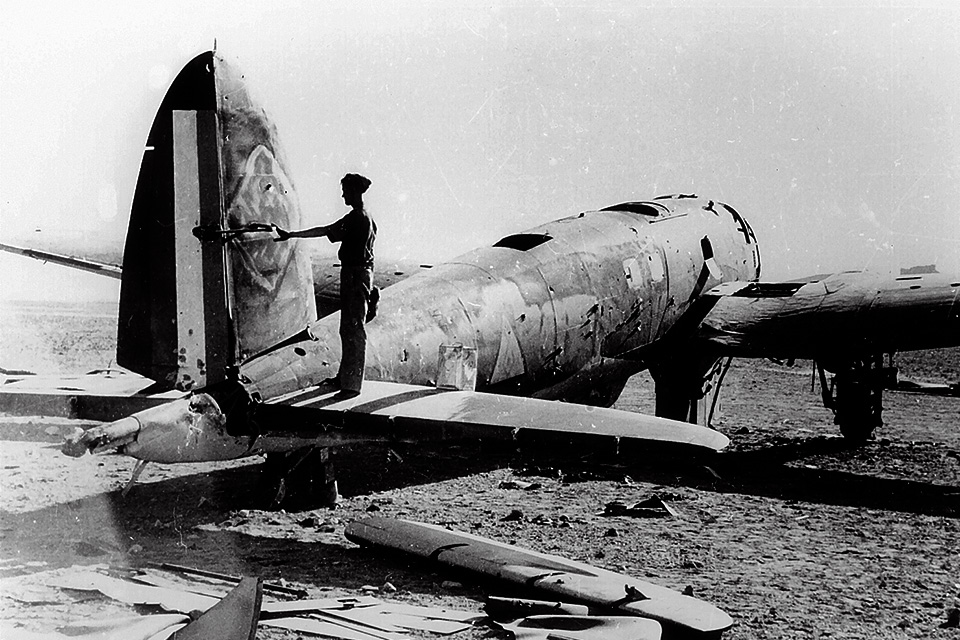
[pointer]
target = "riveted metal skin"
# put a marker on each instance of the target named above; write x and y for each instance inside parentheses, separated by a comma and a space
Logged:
(595, 296)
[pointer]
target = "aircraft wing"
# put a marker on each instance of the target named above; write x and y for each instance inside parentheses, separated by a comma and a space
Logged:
(410, 412)
(84, 264)
(192, 429)
(326, 272)
(854, 314)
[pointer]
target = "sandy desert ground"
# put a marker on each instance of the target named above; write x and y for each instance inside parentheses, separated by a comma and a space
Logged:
(790, 531)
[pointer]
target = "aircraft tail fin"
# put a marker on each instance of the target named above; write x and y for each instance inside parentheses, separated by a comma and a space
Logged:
(203, 283)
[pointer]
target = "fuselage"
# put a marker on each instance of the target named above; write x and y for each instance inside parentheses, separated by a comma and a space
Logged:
(588, 296)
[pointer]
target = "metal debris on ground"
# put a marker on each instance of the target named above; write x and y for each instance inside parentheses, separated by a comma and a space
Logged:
(346, 618)
(554, 576)
(584, 628)
(653, 507)
(513, 608)
(156, 627)
(267, 586)
(521, 485)
(234, 617)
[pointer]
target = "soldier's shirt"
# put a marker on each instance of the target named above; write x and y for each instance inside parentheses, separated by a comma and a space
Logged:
(356, 233)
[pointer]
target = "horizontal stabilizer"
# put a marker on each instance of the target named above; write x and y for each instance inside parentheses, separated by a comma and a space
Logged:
(100, 395)
(83, 264)
(404, 412)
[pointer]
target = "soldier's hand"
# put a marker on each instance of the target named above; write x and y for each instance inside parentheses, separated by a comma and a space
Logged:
(282, 234)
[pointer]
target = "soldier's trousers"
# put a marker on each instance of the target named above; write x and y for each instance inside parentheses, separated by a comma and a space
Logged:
(355, 285)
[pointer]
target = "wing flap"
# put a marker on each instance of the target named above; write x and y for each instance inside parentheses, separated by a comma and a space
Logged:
(403, 412)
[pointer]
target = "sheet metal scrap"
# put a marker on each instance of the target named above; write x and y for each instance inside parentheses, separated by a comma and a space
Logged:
(233, 618)
(584, 628)
(513, 608)
(653, 507)
(203, 573)
(131, 593)
(155, 627)
(346, 618)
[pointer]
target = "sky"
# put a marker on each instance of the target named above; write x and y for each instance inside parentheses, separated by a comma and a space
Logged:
(832, 127)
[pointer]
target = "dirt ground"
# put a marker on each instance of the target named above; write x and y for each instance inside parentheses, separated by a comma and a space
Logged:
(791, 532)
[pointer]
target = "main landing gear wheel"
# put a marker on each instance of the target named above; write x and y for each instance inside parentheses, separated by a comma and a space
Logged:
(856, 396)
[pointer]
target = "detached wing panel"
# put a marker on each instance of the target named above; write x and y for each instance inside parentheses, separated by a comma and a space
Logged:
(552, 575)
(407, 412)
(848, 314)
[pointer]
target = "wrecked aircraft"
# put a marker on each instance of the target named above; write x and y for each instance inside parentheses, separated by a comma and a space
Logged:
(211, 307)
(213, 311)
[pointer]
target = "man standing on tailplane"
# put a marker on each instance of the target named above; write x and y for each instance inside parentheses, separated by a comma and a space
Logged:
(356, 233)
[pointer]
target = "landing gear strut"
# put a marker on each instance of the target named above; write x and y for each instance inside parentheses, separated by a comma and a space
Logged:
(855, 395)
(688, 388)
(303, 479)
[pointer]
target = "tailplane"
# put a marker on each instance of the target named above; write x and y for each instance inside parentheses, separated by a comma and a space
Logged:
(203, 284)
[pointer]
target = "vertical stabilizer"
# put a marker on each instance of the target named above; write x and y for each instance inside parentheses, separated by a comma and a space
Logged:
(200, 288)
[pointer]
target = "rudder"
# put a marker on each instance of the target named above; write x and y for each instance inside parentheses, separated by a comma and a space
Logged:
(201, 289)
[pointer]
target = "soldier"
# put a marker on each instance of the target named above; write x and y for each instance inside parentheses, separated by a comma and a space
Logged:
(356, 232)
